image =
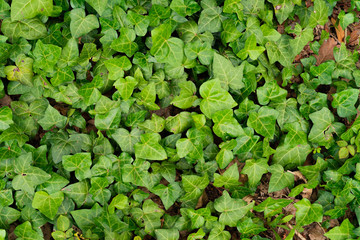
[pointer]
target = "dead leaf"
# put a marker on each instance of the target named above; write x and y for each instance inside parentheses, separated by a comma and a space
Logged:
(326, 51)
(203, 200)
(354, 37)
(5, 101)
(340, 33)
(306, 193)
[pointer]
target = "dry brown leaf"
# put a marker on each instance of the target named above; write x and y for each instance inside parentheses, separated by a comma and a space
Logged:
(5, 101)
(354, 37)
(340, 33)
(326, 51)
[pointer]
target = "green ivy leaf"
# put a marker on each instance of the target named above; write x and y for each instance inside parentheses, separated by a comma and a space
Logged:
(5, 118)
(323, 121)
(271, 206)
(8, 215)
(167, 234)
(98, 5)
(30, 29)
(319, 16)
(271, 91)
(229, 179)
(168, 194)
(307, 213)
(90, 91)
(344, 102)
(187, 95)
(323, 71)
(22, 72)
(52, 118)
(80, 163)
(46, 56)
(125, 43)
(279, 179)
(185, 7)
(280, 51)
(165, 48)
(117, 66)
(342, 232)
(149, 148)
(98, 190)
(283, 9)
(25, 231)
(254, 170)
(210, 18)
(264, 121)
(28, 177)
(226, 125)
(250, 49)
(150, 214)
(231, 209)
(229, 76)
(24, 9)
(81, 24)
(48, 204)
(215, 98)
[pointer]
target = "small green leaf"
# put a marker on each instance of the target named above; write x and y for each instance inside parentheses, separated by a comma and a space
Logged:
(98, 5)
(271, 206)
(187, 95)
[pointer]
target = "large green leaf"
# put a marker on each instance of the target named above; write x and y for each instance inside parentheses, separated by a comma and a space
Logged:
(231, 209)
(6, 118)
(98, 5)
(229, 76)
(48, 204)
(125, 43)
(254, 170)
(81, 24)
(168, 194)
(80, 163)
(215, 98)
(23, 9)
(263, 121)
(52, 118)
(308, 213)
(344, 102)
(342, 232)
(149, 147)
(279, 179)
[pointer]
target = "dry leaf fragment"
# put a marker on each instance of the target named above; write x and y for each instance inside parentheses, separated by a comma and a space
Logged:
(340, 33)
(326, 51)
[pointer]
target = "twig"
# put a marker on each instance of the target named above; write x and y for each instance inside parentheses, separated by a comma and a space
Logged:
(296, 232)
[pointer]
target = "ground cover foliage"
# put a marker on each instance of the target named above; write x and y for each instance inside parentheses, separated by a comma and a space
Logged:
(183, 119)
